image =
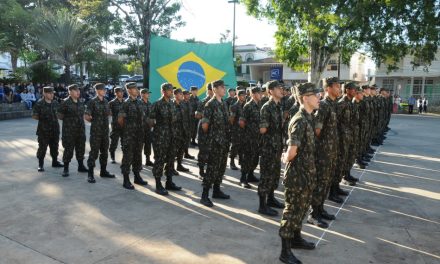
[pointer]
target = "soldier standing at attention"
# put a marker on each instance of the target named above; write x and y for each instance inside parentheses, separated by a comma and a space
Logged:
(131, 118)
(48, 130)
(327, 145)
(300, 175)
(145, 95)
(194, 101)
(235, 112)
(231, 97)
(188, 116)
(271, 130)
(180, 133)
(215, 125)
(265, 95)
(97, 112)
(202, 157)
(250, 122)
(71, 111)
(163, 116)
(116, 133)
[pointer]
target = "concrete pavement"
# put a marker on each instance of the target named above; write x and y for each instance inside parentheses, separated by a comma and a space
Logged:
(391, 216)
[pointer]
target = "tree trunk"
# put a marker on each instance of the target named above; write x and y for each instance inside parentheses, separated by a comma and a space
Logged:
(146, 59)
(319, 58)
(67, 74)
(81, 72)
(14, 60)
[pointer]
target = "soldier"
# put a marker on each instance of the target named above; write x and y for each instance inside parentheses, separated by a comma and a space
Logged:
(232, 99)
(202, 157)
(71, 111)
(48, 129)
(145, 95)
(181, 133)
(326, 130)
(131, 118)
(235, 112)
(194, 102)
(264, 96)
(215, 125)
(163, 116)
(300, 174)
(188, 120)
(97, 112)
(271, 130)
(116, 133)
(357, 124)
(250, 122)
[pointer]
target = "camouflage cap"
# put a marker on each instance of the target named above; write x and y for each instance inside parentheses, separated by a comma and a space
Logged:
(118, 89)
(185, 92)
(306, 88)
(350, 85)
(131, 85)
(218, 83)
(241, 92)
(166, 86)
(273, 84)
(177, 91)
(384, 89)
(99, 86)
(331, 80)
(231, 90)
(48, 89)
(145, 90)
(364, 87)
(255, 89)
(194, 88)
(73, 87)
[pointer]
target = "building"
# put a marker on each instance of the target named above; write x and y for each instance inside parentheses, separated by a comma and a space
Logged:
(6, 65)
(408, 80)
(249, 53)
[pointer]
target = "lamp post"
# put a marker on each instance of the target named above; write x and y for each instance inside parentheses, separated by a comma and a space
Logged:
(233, 30)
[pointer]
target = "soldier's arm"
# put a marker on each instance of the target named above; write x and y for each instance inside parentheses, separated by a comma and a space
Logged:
(232, 114)
(152, 117)
(121, 116)
(296, 133)
(264, 119)
(61, 110)
(243, 117)
(88, 112)
(206, 118)
(199, 111)
(36, 112)
(319, 119)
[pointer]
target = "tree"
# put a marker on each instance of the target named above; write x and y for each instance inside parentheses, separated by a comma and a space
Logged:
(64, 37)
(320, 29)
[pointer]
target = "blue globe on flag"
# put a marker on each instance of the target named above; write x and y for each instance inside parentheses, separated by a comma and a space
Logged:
(191, 73)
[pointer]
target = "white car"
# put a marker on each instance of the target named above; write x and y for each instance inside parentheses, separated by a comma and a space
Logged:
(123, 78)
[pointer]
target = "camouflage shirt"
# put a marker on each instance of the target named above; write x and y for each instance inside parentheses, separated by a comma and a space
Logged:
(47, 117)
(115, 106)
(271, 117)
(133, 113)
(230, 101)
(216, 115)
(99, 110)
(251, 116)
(201, 106)
(73, 116)
(194, 102)
(326, 119)
(147, 110)
(344, 110)
(164, 114)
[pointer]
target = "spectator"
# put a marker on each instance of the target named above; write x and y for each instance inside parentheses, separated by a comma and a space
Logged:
(425, 105)
(27, 98)
(2, 93)
(411, 103)
(420, 105)
(31, 88)
(396, 105)
(8, 94)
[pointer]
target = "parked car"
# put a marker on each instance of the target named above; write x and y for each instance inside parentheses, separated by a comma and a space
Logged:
(123, 78)
(138, 79)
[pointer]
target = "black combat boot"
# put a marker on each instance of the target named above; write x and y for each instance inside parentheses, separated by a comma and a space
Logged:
(112, 157)
(170, 185)
(371, 150)
(138, 179)
(286, 253)
(360, 163)
(148, 161)
(232, 164)
(325, 215)
(181, 168)
(159, 188)
(127, 184)
(173, 170)
(333, 196)
(339, 191)
(104, 173)
(90, 177)
(264, 209)
(350, 177)
(243, 181)
(40, 165)
(56, 163)
(301, 243)
(81, 167)
(201, 172)
(205, 198)
(217, 193)
(188, 156)
(252, 178)
(314, 218)
(273, 202)
(66, 169)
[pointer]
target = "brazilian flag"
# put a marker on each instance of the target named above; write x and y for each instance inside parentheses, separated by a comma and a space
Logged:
(189, 64)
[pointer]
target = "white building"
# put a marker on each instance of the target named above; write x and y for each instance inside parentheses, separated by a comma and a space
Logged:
(249, 53)
(6, 65)
(409, 80)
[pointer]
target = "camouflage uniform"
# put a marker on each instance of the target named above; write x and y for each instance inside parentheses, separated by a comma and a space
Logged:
(179, 135)
(235, 112)
(355, 121)
(48, 130)
(300, 174)
(99, 110)
(271, 117)
(194, 102)
(116, 133)
(132, 111)
(251, 137)
(185, 133)
(202, 156)
(73, 131)
(364, 117)
(344, 114)
(147, 128)
(230, 101)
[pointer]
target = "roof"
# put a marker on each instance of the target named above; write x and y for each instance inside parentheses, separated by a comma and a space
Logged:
(265, 61)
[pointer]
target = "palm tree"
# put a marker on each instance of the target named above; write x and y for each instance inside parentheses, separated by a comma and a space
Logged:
(64, 37)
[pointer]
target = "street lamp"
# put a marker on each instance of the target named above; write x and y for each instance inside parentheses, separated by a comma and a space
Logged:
(233, 30)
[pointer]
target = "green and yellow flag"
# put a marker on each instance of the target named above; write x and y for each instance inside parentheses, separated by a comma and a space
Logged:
(189, 64)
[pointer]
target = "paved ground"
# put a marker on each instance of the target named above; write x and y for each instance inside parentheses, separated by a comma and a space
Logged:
(392, 216)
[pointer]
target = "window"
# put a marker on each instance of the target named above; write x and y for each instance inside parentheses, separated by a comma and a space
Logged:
(388, 84)
(417, 87)
(428, 84)
(332, 65)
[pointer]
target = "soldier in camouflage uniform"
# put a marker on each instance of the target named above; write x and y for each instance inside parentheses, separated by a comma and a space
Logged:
(290, 107)
(131, 118)
(357, 124)
(97, 112)
(194, 101)
(202, 157)
(48, 129)
(327, 143)
(232, 97)
(145, 94)
(300, 174)
(264, 95)
(271, 130)
(189, 116)
(250, 123)
(71, 111)
(215, 125)
(235, 112)
(116, 133)
(164, 117)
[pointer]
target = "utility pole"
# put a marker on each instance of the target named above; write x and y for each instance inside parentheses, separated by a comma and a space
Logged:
(233, 30)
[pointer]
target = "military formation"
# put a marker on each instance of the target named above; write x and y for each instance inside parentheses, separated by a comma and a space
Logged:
(318, 139)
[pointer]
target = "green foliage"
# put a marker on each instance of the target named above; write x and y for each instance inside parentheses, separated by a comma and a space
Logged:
(43, 73)
(133, 67)
(107, 68)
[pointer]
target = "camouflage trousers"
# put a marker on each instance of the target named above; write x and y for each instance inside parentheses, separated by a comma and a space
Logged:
(325, 171)
(98, 146)
(343, 159)
(251, 156)
(48, 140)
(132, 152)
(163, 154)
(297, 202)
(194, 124)
(147, 142)
(270, 170)
(202, 157)
(115, 135)
(176, 151)
(217, 159)
(236, 144)
(75, 143)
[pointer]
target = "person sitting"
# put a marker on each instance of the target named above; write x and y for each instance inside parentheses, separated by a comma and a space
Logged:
(27, 98)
